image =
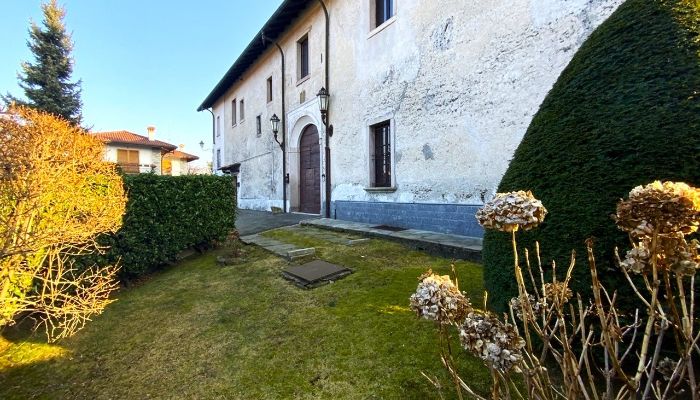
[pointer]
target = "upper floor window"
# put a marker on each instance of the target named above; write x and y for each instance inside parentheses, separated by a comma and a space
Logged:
(242, 113)
(218, 125)
(233, 112)
(258, 125)
(381, 141)
(128, 161)
(303, 56)
(269, 89)
(383, 10)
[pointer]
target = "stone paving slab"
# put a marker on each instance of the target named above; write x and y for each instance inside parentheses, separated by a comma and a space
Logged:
(328, 236)
(285, 250)
(249, 222)
(443, 244)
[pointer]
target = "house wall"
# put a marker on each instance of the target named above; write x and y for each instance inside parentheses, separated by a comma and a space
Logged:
(260, 176)
(459, 82)
(460, 86)
(147, 156)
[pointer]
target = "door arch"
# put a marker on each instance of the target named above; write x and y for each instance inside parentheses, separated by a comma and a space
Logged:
(309, 171)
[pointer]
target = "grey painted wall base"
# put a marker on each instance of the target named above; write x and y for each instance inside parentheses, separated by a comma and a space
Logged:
(456, 219)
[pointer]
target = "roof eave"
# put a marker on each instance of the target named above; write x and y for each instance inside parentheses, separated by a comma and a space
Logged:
(294, 8)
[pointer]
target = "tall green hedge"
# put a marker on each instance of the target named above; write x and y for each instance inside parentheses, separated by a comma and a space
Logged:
(168, 214)
(625, 112)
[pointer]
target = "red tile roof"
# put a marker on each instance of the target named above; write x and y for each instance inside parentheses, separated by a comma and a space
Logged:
(184, 156)
(127, 137)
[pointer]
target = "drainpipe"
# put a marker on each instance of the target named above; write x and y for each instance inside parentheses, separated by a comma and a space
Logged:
(328, 133)
(213, 137)
(283, 145)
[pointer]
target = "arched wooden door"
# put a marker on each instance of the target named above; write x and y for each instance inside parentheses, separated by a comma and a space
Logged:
(309, 171)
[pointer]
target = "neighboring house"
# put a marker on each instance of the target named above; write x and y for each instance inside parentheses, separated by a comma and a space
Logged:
(428, 101)
(177, 163)
(139, 154)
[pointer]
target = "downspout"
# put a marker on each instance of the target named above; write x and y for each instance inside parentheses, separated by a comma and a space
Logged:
(213, 137)
(284, 130)
(327, 148)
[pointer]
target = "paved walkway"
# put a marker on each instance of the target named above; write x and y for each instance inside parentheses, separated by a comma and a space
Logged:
(249, 222)
(328, 236)
(463, 247)
(282, 249)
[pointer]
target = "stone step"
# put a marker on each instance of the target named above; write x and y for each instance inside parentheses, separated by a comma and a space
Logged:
(282, 249)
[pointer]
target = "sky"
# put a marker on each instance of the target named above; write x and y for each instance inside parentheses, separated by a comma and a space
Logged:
(142, 62)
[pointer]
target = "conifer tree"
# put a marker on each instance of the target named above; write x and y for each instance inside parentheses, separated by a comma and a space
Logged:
(47, 82)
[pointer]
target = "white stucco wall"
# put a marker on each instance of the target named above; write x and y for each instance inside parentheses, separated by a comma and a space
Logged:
(147, 156)
(260, 176)
(460, 81)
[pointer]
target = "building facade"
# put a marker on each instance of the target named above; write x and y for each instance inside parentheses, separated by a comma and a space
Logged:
(427, 101)
(143, 154)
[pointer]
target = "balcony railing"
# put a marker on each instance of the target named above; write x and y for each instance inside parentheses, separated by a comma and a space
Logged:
(129, 168)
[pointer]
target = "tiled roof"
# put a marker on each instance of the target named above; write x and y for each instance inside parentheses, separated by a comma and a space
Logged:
(127, 137)
(184, 156)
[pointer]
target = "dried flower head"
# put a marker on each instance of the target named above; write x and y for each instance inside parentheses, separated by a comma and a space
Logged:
(683, 258)
(516, 306)
(495, 342)
(637, 260)
(557, 292)
(438, 299)
(673, 253)
(508, 212)
(666, 368)
(668, 207)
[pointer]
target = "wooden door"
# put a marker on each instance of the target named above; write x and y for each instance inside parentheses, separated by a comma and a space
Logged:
(310, 172)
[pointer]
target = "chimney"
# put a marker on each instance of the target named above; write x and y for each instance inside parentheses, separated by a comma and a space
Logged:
(151, 132)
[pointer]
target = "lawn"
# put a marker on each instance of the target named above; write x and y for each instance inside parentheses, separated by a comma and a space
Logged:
(198, 330)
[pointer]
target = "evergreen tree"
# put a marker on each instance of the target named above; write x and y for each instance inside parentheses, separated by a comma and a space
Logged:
(46, 82)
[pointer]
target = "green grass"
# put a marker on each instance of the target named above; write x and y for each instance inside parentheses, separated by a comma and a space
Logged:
(242, 332)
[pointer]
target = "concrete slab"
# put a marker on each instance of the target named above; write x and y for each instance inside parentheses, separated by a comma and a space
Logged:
(315, 273)
(285, 250)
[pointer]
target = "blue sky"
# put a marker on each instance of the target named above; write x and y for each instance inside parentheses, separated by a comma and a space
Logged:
(142, 62)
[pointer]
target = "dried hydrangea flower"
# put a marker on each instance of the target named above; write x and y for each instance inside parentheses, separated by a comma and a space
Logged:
(684, 259)
(535, 305)
(557, 291)
(637, 259)
(666, 368)
(495, 342)
(508, 212)
(438, 299)
(669, 207)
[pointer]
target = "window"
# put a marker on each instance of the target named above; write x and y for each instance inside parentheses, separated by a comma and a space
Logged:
(383, 10)
(303, 57)
(381, 138)
(218, 159)
(218, 126)
(128, 161)
(258, 125)
(269, 89)
(242, 113)
(233, 112)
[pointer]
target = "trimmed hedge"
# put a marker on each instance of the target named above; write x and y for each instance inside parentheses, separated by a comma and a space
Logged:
(625, 112)
(168, 214)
